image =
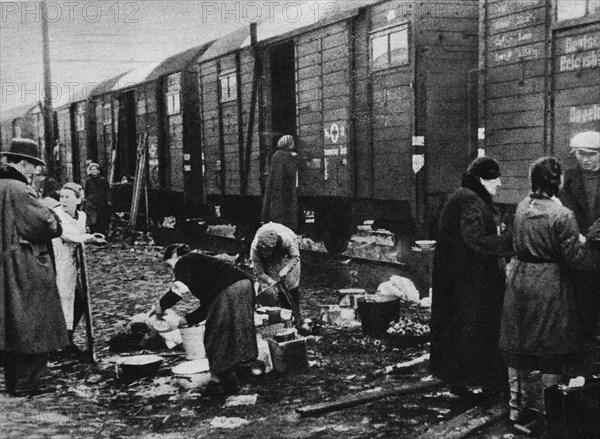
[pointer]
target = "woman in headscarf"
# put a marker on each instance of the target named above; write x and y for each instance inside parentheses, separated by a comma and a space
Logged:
(280, 204)
(276, 258)
(226, 303)
(468, 284)
(540, 329)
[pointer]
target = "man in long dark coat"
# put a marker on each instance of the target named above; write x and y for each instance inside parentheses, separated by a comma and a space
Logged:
(581, 194)
(468, 285)
(31, 319)
(280, 204)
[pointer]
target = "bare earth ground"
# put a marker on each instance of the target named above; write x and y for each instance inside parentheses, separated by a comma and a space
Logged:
(90, 401)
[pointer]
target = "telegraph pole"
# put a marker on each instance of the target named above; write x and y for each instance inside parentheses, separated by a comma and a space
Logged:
(47, 110)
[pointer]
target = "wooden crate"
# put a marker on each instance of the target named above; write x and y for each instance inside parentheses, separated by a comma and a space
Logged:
(288, 356)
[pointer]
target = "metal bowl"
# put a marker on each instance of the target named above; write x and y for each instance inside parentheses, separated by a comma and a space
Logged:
(139, 366)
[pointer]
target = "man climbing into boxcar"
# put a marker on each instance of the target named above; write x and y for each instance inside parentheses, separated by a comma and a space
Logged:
(581, 194)
(280, 204)
(31, 319)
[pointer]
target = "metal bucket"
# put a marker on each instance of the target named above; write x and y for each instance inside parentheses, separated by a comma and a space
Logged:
(193, 341)
(376, 312)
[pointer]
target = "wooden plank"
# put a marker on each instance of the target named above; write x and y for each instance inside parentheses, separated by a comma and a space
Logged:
(466, 423)
(513, 38)
(322, 32)
(335, 78)
(526, 152)
(309, 72)
(519, 119)
(512, 72)
(307, 48)
(516, 88)
(586, 39)
(509, 105)
(576, 79)
(515, 54)
(336, 53)
(576, 96)
(309, 60)
(516, 135)
(308, 84)
(518, 20)
(498, 8)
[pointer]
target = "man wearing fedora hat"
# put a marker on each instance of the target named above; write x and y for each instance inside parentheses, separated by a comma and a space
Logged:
(31, 319)
(581, 193)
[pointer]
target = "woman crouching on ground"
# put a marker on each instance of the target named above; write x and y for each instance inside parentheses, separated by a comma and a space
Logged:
(226, 303)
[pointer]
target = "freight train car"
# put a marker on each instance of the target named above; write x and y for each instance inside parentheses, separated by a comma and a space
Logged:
(540, 82)
(376, 94)
(17, 122)
(158, 101)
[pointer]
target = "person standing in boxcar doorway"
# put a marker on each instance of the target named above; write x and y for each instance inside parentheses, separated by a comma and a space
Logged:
(468, 284)
(97, 200)
(280, 203)
(31, 319)
(581, 194)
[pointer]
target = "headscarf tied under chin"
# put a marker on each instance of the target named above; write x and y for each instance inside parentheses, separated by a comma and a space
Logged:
(286, 143)
(482, 167)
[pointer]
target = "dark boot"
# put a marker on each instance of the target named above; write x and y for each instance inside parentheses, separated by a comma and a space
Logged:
(229, 382)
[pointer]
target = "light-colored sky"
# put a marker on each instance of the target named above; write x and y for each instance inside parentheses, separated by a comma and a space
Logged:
(91, 41)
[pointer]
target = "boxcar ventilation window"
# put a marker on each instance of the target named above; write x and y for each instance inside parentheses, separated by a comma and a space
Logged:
(228, 86)
(574, 9)
(80, 119)
(173, 94)
(107, 114)
(389, 48)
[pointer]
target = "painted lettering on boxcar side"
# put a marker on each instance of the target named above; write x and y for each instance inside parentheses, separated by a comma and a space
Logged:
(534, 51)
(524, 19)
(578, 61)
(510, 39)
(584, 114)
(580, 43)
(506, 7)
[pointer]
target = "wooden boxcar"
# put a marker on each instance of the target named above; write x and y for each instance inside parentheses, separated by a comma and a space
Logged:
(16, 122)
(159, 101)
(377, 95)
(540, 82)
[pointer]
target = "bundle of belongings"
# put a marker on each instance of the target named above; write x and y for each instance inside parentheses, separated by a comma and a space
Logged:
(401, 287)
(146, 331)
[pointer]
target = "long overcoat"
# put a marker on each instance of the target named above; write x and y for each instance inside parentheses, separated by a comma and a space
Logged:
(31, 318)
(540, 317)
(467, 292)
(280, 204)
(586, 284)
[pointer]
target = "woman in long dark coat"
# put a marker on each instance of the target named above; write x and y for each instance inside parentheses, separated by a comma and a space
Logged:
(280, 204)
(468, 284)
(540, 329)
(226, 303)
